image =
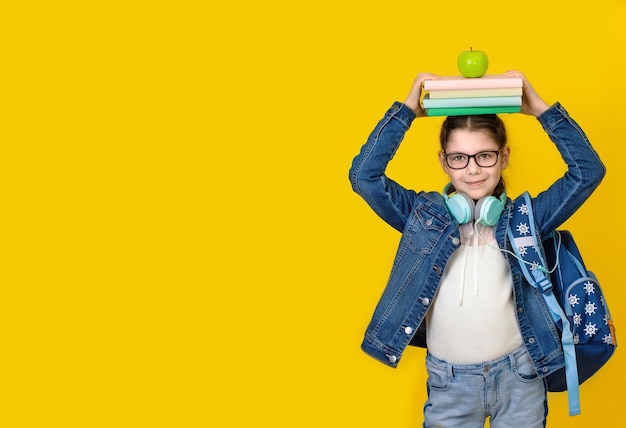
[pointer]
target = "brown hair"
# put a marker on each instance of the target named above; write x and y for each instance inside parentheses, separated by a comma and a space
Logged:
(490, 124)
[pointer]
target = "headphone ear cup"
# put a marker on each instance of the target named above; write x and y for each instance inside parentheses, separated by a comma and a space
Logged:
(488, 210)
(461, 207)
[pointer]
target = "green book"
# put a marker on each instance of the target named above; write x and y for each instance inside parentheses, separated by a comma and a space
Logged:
(464, 111)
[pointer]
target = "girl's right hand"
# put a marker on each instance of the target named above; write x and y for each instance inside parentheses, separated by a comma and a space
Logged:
(413, 99)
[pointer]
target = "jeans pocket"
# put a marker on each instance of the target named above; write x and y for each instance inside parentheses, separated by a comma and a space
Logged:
(524, 368)
(437, 377)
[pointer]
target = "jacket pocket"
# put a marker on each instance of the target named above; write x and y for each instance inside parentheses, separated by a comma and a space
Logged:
(425, 229)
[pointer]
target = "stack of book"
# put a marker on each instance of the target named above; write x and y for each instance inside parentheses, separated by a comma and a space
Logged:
(459, 96)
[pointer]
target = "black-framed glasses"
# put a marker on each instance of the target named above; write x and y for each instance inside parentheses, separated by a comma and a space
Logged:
(483, 159)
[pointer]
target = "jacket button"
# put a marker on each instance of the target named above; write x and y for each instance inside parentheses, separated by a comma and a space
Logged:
(531, 340)
(408, 330)
(392, 359)
(456, 241)
(425, 301)
(437, 270)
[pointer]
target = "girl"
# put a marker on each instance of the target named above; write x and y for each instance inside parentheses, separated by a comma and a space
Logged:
(490, 339)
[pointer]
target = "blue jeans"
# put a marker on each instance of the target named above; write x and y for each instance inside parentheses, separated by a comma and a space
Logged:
(507, 390)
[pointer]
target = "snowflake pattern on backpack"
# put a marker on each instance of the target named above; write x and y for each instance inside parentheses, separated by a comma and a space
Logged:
(588, 315)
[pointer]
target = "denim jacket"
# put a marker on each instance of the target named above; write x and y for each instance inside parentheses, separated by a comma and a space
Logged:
(430, 236)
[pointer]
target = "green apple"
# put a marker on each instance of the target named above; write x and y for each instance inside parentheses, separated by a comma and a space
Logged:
(472, 63)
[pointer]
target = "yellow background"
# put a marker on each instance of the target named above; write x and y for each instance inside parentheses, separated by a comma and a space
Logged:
(181, 244)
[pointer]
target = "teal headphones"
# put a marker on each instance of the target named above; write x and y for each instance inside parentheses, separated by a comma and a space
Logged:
(463, 208)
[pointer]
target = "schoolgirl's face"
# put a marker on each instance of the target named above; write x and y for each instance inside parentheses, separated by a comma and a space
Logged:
(474, 162)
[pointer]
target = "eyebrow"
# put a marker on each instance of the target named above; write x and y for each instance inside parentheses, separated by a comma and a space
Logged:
(467, 154)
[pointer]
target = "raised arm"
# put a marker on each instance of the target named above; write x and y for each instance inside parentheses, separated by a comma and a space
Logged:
(585, 170)
(391, 201)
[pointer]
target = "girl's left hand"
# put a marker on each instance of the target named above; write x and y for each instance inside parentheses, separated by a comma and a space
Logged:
(532, 103)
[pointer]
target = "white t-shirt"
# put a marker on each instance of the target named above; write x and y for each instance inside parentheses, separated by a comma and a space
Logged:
(472, 319)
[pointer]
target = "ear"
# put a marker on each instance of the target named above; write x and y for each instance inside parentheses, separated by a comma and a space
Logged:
(506, 152)
(442, 161)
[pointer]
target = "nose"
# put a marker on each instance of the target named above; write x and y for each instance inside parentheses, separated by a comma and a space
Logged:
(472, 165)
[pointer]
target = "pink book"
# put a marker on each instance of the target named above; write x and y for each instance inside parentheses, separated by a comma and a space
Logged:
(485, 82)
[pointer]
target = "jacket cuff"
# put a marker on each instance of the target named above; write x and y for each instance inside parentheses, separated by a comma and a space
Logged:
(552, 116)
(401, 112)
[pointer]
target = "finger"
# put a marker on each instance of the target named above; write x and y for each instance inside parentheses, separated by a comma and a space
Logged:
(429, 76)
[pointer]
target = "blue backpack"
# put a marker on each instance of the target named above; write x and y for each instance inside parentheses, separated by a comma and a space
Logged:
(573, 295)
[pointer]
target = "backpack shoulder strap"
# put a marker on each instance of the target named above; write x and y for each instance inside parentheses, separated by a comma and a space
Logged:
(526, 243)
